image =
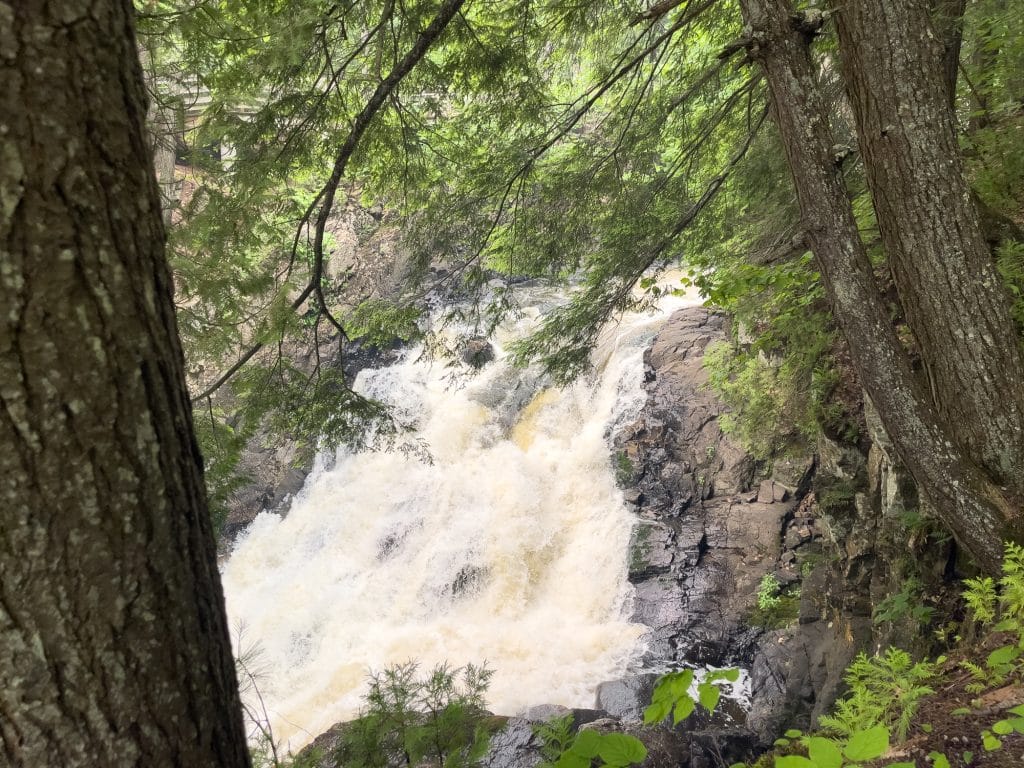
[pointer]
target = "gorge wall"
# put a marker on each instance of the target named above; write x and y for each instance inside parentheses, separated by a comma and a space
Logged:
(837, 526)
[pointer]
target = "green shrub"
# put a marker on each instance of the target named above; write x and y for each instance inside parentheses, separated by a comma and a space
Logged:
(905, 604)
(768, 592)
(672, 694)
(408, 720)
(884, 690)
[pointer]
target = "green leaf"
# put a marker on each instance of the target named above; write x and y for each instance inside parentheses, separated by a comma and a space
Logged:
(824, 752)
(657, 711)
(732, 675)
(968, 757)
(938, 759)
(709, 695)
(781, 742)
(868, 744)
(1018, 710)
(927, 727)
(793, 761)
(621, 749)
(1002, 727)
(684, 708)
(678, 684)
(569, 759)
(793, 733)
(960, 711)
(990, 742)
(586, 744)
(1000, 657)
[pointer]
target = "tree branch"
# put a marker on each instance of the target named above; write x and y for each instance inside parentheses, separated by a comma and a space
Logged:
(325, 198)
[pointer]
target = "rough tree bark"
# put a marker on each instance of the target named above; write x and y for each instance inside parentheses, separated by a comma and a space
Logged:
(973, 508)
(112, 623)
(943, 270)
(948, 18)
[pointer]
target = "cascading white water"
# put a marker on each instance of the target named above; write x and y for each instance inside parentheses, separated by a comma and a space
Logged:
(510, 547)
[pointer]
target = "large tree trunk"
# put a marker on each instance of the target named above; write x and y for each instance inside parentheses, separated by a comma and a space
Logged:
(954, 301)
(112, 623)
(969, 504)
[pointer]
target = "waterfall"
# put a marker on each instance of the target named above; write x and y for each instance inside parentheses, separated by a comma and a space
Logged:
(510, 547)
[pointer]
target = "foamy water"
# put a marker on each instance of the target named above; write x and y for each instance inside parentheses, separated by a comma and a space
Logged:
(510, 548)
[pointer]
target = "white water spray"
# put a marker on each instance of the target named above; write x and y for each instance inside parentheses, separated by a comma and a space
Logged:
(510, 548)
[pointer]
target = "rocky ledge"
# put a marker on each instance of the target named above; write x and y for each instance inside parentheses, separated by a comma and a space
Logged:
(714, 524)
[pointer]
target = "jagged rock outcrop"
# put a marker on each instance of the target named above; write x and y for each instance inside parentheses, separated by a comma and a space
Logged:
(708, 533)
(829, 526)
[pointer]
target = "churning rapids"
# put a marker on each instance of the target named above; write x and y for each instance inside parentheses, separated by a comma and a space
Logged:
(510, 547)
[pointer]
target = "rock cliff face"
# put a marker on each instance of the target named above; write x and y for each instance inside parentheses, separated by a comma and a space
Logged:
(830, 527)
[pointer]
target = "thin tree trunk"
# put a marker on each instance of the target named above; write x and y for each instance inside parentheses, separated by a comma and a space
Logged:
(112, 623)
(968, 503)
(954, 301)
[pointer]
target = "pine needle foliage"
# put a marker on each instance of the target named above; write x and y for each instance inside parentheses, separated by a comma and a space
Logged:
(588, 143)
(438, 719)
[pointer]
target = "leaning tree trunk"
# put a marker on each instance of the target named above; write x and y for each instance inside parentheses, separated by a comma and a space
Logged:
(112, 624)
(969, 504)
(944, 274)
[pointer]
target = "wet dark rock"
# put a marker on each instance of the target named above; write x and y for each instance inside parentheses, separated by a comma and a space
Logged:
(626, 699)
(275, 465)
(771, 492)
(388, 544)
(359, 357)
(467, 580)
(514, 746)
(477, 352)
(633, 496)
(714, 523)
(651, 550)
(795, 471)
(517, 746)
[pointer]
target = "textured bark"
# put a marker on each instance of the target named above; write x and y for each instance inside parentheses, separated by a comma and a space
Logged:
(112, 624)
(941, 265)
(969, 504)
(948, 18)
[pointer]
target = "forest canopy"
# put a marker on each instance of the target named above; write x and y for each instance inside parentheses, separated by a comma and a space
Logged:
(594, 143)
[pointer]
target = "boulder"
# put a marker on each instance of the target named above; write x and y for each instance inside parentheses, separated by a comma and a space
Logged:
(514, 746)
(477, 352)
(627, 698)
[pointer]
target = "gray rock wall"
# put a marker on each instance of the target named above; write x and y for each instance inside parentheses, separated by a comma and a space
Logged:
(828, 525)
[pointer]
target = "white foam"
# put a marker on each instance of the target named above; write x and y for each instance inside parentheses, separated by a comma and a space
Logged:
(519, 509)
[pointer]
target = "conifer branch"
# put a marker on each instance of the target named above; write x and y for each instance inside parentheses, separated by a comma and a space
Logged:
(325, 198)
(574, 115)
